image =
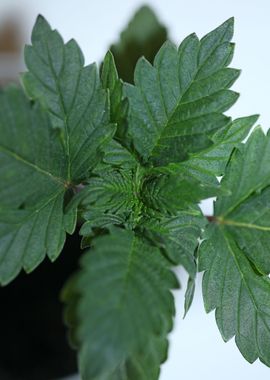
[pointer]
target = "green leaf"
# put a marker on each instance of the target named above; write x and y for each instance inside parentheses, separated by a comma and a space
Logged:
(129, 197)
(32, 187)
(72, 95)
(205, 165)
(248, 172)
(44, 156)
(113, 191)
(238, 293)
(245, 212)
(143, 36)
(117, 155)
(189, 295)
(111, 198)
(250, 225)
(170, 193)
(177, 234)
(99, 219)
(177, 104)
(120, 308)
(118, 104)
(235, 253)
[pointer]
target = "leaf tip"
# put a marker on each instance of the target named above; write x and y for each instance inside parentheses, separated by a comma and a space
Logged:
(41, 22)
(230, 20)
(254, 118)
(109, 55)
(229, 24)
(224, 31)
(41, 28)
(141, 65)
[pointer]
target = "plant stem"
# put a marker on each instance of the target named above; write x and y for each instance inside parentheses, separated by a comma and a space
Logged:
(211, 218)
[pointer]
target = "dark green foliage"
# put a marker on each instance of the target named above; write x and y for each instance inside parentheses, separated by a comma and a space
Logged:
(138, 277)
(134, 161)
(235, 253)
(33, 186)
(177, 104)
(143, 37)
(72, 95)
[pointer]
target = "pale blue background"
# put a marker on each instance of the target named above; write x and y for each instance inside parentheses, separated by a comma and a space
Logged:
(197, 350)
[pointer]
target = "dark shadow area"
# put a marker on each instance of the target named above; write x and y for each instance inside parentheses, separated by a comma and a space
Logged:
(33, 337)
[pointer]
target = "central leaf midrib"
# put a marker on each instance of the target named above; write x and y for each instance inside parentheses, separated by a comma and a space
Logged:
(244, 280)
(249, 193)
(19, 158)
(235, 223)
(17, 226)
(230, 249)
(38, 209)
(63, 108)
(126, 274)
(259, 186)
(194, 79)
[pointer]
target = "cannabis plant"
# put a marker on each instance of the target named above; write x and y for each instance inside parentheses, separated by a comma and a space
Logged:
(128, 163)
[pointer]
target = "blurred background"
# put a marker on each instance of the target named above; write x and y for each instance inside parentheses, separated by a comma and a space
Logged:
(33, 344)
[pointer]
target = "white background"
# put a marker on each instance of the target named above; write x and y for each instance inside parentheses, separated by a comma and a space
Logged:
(197, 350)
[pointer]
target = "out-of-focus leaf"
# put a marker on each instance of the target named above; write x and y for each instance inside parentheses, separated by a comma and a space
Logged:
(143, 36)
